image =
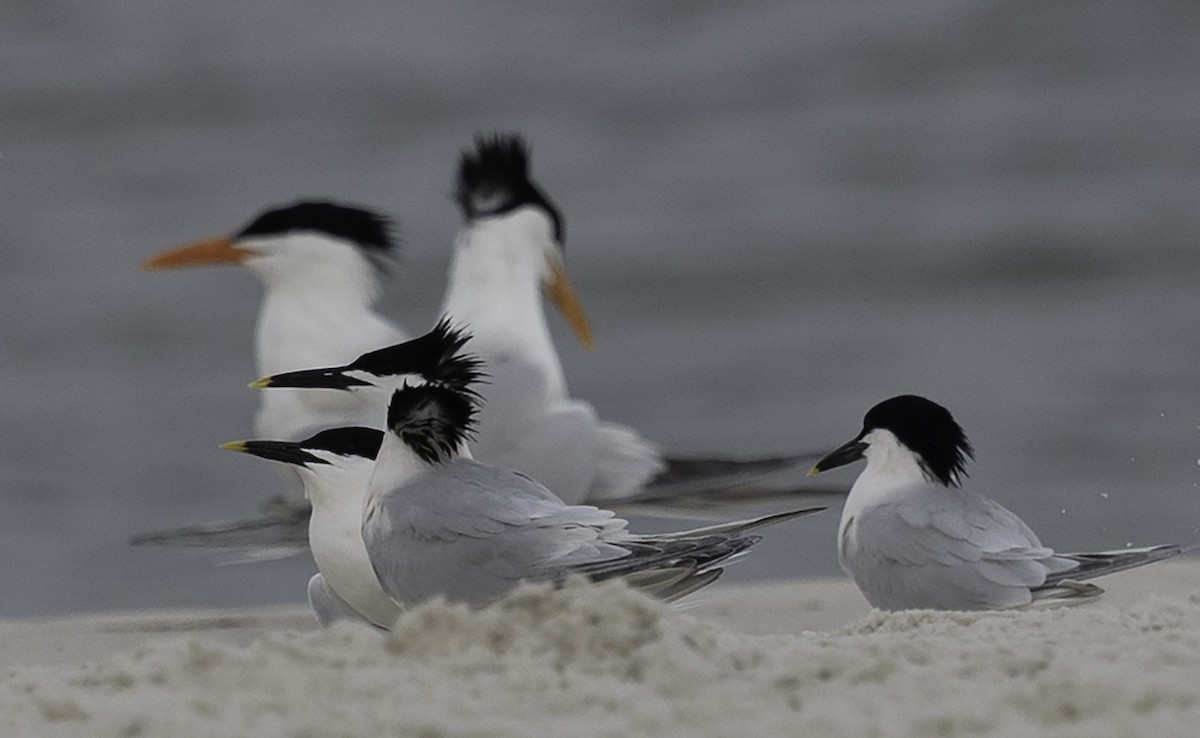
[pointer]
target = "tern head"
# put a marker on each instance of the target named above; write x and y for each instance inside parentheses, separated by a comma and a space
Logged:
(435, 421)
(310, 241)
(436, 357)
(501, 202)
(913, 425)
(339, 458)
(493, 179)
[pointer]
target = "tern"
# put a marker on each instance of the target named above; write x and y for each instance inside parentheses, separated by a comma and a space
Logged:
(335, 466)
(509, 251)
(437, 523)
(319, 263)
(912, 538)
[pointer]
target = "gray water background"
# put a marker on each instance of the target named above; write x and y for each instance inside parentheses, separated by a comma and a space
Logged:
(778, 214)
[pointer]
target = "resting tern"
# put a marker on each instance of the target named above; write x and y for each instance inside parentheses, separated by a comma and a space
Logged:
(319, 263)
(912, 538)
(435, 522)
(335, 466)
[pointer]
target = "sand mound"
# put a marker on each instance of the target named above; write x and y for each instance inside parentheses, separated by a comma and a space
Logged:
(605, 661)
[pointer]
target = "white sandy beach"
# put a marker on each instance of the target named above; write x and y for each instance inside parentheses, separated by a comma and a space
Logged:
(780, 659)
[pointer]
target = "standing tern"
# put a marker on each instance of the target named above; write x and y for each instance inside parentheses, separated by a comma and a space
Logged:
(319, 263)
(508, 252)
(438, 523)
(912, 538)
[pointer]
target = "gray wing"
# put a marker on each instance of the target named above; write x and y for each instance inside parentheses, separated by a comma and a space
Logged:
(672, 565)
(470, 532)
(946, 549)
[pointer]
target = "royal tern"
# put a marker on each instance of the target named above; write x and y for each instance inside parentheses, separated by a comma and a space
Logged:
(508, 252)
(319, 264)
(438, 523)
(912, 538)
(335, 466)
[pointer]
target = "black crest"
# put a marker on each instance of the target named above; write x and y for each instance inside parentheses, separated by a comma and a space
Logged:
(370, 230)
(437, 356)
(354, 441)
(927, 429)
(493, 179)
(433, 420)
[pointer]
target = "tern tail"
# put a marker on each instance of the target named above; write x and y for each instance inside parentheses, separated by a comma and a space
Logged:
(1101, 563)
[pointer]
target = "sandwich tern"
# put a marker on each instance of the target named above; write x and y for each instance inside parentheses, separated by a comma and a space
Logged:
(335, 466)
(912, 538)
(435, 522)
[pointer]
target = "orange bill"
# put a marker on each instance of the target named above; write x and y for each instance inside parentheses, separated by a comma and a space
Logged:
(209, 251)
(562, 293)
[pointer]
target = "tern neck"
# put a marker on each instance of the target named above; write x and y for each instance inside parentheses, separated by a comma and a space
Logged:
(495, 283)
(335, 538)
(327, 485)
(395, 464)
(893, 472)
(311, 322)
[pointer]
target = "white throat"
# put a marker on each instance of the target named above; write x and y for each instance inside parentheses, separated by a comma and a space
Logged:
(495, 283)
(893, 472)
(335, 537)
(395, 464)
(316, 310)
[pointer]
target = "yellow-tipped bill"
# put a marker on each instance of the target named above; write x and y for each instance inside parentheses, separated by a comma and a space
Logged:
(562, 293)
(209, 251)
(848, 452)
(234, 446)
(260, 383)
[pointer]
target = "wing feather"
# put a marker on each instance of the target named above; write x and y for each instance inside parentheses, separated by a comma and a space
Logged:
(471, 531)
(945, 548)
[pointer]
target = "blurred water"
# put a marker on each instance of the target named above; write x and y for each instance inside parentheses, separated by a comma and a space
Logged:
(777, 214)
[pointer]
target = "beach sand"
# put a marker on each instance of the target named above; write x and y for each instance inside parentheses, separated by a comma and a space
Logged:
(766, 660)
